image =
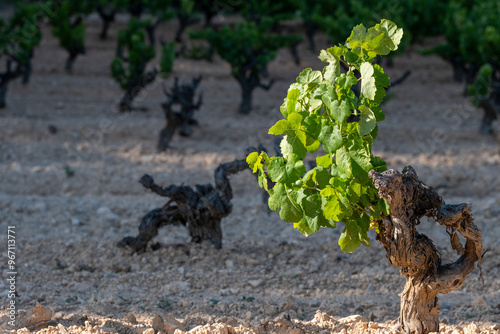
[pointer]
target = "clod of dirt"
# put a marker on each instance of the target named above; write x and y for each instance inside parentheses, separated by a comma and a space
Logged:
(37, 318)
(169, 325)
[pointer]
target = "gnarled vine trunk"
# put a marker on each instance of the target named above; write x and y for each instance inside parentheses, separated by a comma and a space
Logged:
(200, 209)
(414, 253)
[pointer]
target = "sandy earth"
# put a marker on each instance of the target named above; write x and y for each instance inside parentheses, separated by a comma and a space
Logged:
(268, 278)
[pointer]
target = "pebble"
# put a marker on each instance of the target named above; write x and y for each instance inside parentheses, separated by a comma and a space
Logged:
(471, 329)
(255, 283)
(76, 221)
(479, 301)
(229, 263)
(352, 319)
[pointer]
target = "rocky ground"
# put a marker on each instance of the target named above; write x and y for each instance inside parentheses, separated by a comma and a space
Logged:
(69, 166)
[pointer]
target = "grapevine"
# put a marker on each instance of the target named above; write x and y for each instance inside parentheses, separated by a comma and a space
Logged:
(322, 114)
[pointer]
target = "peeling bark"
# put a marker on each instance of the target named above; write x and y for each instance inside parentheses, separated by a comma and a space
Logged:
(414, 253)
(200, 210)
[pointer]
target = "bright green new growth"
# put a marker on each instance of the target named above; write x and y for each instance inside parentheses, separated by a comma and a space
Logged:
(322, 113)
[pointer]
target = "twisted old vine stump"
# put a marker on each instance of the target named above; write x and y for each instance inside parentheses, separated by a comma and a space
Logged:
(184, 96)
(200, 210)
(415, 254)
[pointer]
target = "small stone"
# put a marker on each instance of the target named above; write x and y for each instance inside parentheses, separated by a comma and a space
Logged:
(149, 331)
(76, 221)
(103, 210)
(352, 319)
(479, 301)
(184, 303)
(229, 264)
(255, 283)
(360, 327)
(225, 292)
(168, 325)
(131, 318)
(61, 329)
(177, 286)
(37, 315)
(248, 316)
(471, 329)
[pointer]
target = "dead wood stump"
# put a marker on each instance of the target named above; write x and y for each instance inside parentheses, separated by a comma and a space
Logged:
(200, 210)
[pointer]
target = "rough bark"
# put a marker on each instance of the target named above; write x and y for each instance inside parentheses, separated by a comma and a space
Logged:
(249, 78)
(490, 115)
(11, 73)
(135, 87)
(295, 53)
(107, 13)
(185, 20)
(414, 253)
(183, 95)
(311, 28)
(200, 210)
(4, 87)
(75, 49)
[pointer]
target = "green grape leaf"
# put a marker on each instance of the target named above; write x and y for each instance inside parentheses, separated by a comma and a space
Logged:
(367, 121)
(294, 169)
(290, 212)
(345, 205)
(291, 101)
(343, 162)
(308, 76)
(276, 169)
(379, 164)
(327, 192)
(358, 34)
(313, 213)
(284, 125)
(339, 111)
(393, 33)
(331, 138)
(278, 198)
(312, 125)
(324, 161)
(363, 227)
(281, 126)
(303, 228)
(331, 71)
(349, 239)
(368, 87)
(291, 144)
(332, 209)
(381, 78)
(252, 159)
